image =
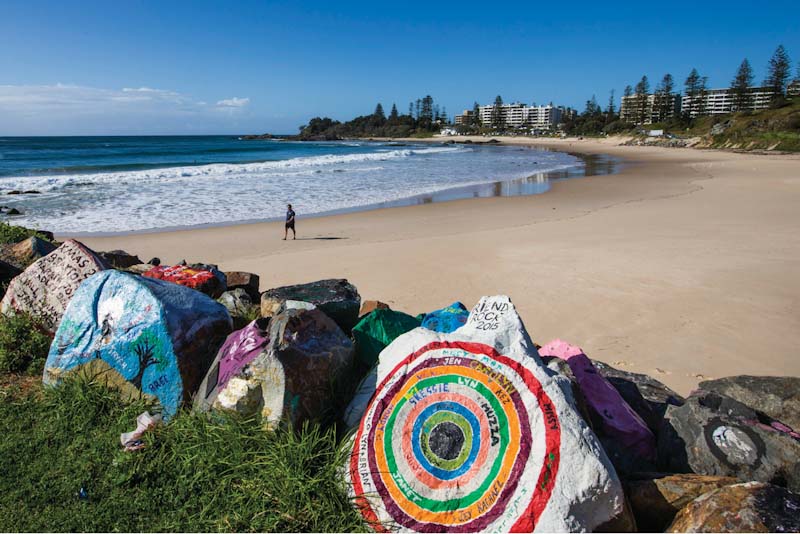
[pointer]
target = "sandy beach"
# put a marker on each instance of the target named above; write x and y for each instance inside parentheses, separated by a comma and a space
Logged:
(684, 265)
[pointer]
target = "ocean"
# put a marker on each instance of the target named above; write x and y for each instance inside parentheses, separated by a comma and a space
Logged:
(106, 185)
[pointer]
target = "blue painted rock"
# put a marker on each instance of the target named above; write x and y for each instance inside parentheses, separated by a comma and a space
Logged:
(46, 287)
(148, 335)
(289, 379)
(338, 298)
(469, 432)
(447, 319)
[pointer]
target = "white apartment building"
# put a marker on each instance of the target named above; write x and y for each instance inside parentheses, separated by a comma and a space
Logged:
(518, 115)
(631, 108)
(720, 101)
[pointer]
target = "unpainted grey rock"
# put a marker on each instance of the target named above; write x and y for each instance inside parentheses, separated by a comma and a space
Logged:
(24, 253)
(712, 434)
(776, 396)
(119, 259)
(248, 281)
(239, 306)
(338, 298)
(749, 507)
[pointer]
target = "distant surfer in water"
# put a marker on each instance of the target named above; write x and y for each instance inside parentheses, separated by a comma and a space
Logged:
(289, 223)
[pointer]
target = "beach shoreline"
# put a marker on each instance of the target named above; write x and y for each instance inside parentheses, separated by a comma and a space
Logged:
(682, 265)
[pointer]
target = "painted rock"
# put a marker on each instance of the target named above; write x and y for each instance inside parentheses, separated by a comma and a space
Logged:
(657, 499)
(208, 281)
(283, 372)
(622, 431)
(447, 319)
(46, 287)
(119, 259)
(749, 507)
(156, 336)
(776, 396)
(712, 434)
(644, 394)
(338, 298)
(377, 330)
(241, 280)
(469, 432)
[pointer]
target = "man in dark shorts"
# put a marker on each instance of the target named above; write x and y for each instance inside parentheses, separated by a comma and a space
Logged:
(289, 223)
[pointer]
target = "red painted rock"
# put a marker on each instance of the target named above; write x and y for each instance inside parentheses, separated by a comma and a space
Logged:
(748, 507)
(211, 282)
(46, 287)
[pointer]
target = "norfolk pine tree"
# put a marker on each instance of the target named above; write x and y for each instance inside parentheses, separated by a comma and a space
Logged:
(778, 74)
(741, 87)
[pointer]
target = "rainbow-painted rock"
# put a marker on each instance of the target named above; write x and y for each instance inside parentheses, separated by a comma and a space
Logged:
(46, 287)
(468, 431)
(143, 335)
(282, 371)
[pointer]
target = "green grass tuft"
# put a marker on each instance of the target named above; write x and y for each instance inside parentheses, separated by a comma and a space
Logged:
(23, 344)
(10, 233)
(195, 474)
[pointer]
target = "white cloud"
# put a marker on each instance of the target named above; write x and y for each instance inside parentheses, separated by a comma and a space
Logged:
(41, 109)
(234, 102)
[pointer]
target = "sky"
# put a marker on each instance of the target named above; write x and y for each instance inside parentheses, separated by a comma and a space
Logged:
(230, 67)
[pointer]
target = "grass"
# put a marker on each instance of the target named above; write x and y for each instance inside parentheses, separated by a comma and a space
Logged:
(195, 474)
(23, 344)
(10, 233)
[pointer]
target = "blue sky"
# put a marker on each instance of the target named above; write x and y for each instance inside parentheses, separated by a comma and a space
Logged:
(160, 67)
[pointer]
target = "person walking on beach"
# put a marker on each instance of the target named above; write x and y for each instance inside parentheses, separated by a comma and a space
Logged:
(289, 223)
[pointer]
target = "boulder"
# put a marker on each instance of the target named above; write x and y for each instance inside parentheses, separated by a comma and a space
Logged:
(749, 507)
(336, 297)
(647, 396)
(447, 319)
(14, 211)
(119, 259)
(155, 261)
(239, 306)
(139, 268)
(24, 253)
(283, 372)
(625, 436)
(369, 306)
(247, 281)
(45, 288)
(656, 499)
(7, 273)
(156, 337)
(712, 434)
(776, 396)
(378, 329)
(209, 281)
(469, 431)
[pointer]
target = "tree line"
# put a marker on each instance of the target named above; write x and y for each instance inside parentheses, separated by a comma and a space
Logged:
(424, 117)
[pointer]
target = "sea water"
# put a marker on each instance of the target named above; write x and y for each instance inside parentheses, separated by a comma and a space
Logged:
(123, 184)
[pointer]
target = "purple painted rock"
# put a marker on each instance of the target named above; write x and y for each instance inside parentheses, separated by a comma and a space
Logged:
(242, 280)
(289, 379)
(239, 349)
(46, 287)
(749, 507)
(624, 432)
(142, 334)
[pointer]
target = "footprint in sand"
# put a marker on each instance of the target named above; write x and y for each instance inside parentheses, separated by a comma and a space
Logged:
(662, 371)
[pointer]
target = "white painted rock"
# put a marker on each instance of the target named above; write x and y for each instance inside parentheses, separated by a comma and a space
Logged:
(46, 287)
(469, 431)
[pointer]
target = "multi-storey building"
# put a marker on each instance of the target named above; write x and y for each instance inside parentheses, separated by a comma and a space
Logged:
(649, 108)
(518, 115)
(794, 88)
(722, 101)
(464, 118)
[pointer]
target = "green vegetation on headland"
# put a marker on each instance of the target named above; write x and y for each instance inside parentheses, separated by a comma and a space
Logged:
(423, 119)
(63, 469)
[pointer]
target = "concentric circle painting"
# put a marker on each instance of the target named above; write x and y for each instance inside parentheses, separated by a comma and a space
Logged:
(457, 438)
